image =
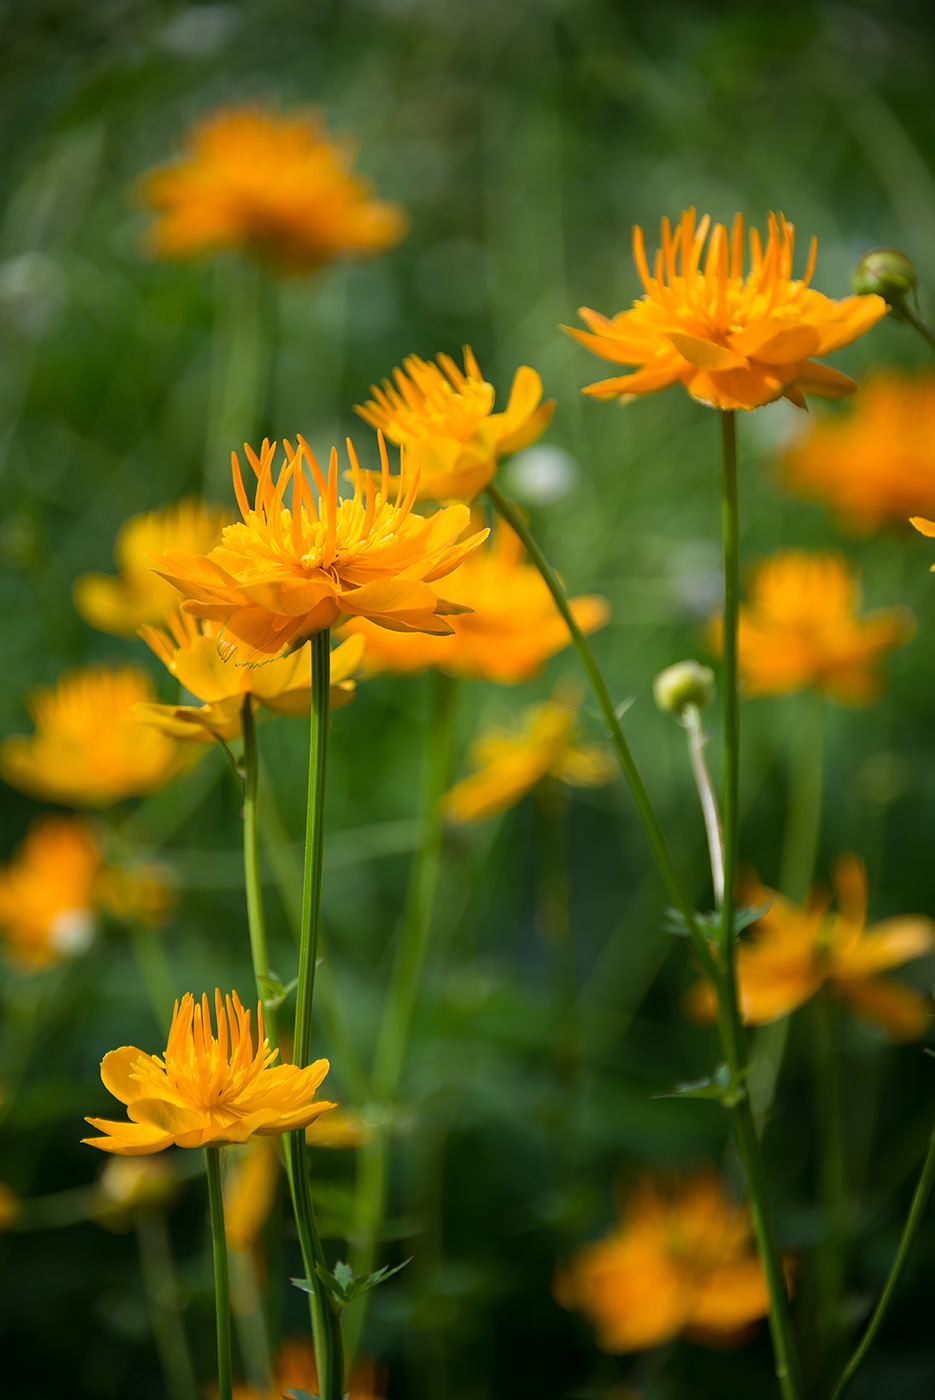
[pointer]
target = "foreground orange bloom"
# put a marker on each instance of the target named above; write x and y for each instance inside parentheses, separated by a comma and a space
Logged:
(512, 629)
(88, 748)
(876, 465)
(511, 764)
(794, 952)
(733, 340)
(680, 1261)
(207, 1090)
(189, 650)
(283, 574)
(139, 596)
(295, 1370)
(801, 628)
(279, 188)
(445, 420)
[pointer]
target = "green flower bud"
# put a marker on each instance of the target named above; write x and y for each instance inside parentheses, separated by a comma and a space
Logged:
(685, 683)
(888, 273)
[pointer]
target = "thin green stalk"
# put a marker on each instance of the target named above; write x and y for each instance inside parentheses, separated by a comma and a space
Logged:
(916, 322)
(162, 1299)
(830, 1258)
(691, 722)
(221, 1290)
(399, 1007)
(803, 810)
(654, 833)
(729, 1026)
(326, 1322)
(910, 1229)
(256, 922)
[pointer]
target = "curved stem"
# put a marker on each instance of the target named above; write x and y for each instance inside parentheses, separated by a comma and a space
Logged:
(917, 323)
(731, 1031)
(691, 721)
(326, 1323)
(910, 1229)
(219, 1244)
(256, 922)
(654, 833)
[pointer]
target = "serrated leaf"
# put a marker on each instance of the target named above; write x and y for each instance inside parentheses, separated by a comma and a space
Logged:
(721, 1086)
(343, 1275)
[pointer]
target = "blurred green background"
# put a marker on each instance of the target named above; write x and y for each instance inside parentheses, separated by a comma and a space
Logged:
(524, 139)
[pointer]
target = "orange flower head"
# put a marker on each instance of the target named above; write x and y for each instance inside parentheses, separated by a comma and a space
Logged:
(49, 894)
(734, 339)
(189, 650)
(207, 1089)
(295, 1370)
(138, 596)
(876, 465)
(512, 629)
(801, 629)
(510, 764)
(680, 1261)
(281, 574)
(278, 188)
(445, 420)
(88, 748)
(795, 951)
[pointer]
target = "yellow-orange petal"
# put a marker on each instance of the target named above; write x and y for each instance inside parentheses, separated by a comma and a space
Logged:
(117, 1073)
(128, 1139)
(900, 1010)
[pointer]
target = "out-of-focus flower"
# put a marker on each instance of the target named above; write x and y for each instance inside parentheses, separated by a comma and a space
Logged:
(9, 1206)
(681, 1260)
(189, 650)
(137, 595)
(512, 629)
(889, 273)
(682, 684)
(249, 1192)
(924, 527)
(445, 421)
(295, 1370)
(141, 892)
(49, 894)
(133, 1186)
(206, 1090)
(875, 465)
(801, 628)
(796, 951)
(734, 341)
(338, 1129)
(89, 749)
(283, 574)
(276, 187)
(511, 764)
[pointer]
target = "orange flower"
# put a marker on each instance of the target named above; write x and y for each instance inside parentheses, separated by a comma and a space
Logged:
(278, 188)
(191, 654)
(446, 422)
(511, 764)
(88, 748)
(681, 1260)
(876, 464)
(283, 574)
(511, 630)
(206, 1090)
(734, 341)
(295, 1370)
(138, 595)
(796, 951)
(801, 628)
(49, 894)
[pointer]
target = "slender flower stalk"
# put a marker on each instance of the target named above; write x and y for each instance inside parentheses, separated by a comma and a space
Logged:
(256, 922)
(910, 1230)
(657, 841)
(691, 719)
(221, 1301)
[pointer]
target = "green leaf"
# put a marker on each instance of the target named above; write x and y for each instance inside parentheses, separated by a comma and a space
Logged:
(710, 923)
(344, 1285)
(721, 1086)
(273, 992)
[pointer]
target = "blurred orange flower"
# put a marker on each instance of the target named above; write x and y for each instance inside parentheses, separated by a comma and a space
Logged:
(9, 1206)
(277, 187)
(206, 1090)
(131, 1186)
(733, 340)
(796, 951)
(137, 595)
(89, 749)
(49, 894)
(295, 1370)
(511, 764)
(445, 420)
(189, 650)
(512, 629)
(249, 1192)
(801, 628)
(681, 1260)
(876, 464)
(283, 574)
(337, 1130)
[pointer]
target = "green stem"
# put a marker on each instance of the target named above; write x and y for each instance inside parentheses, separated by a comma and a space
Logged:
(654, 833)
(326, 1322)
(256, 922)
(731, 1031)
(910, 1229)
(162, 1299)
(398, 1010)
(916, 322)
(803, 811)
(221, 1291)
(691, 721)
(830, 1260)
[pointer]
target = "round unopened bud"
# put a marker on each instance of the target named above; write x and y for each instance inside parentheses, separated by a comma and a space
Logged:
(685, 683)
(886, 272)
